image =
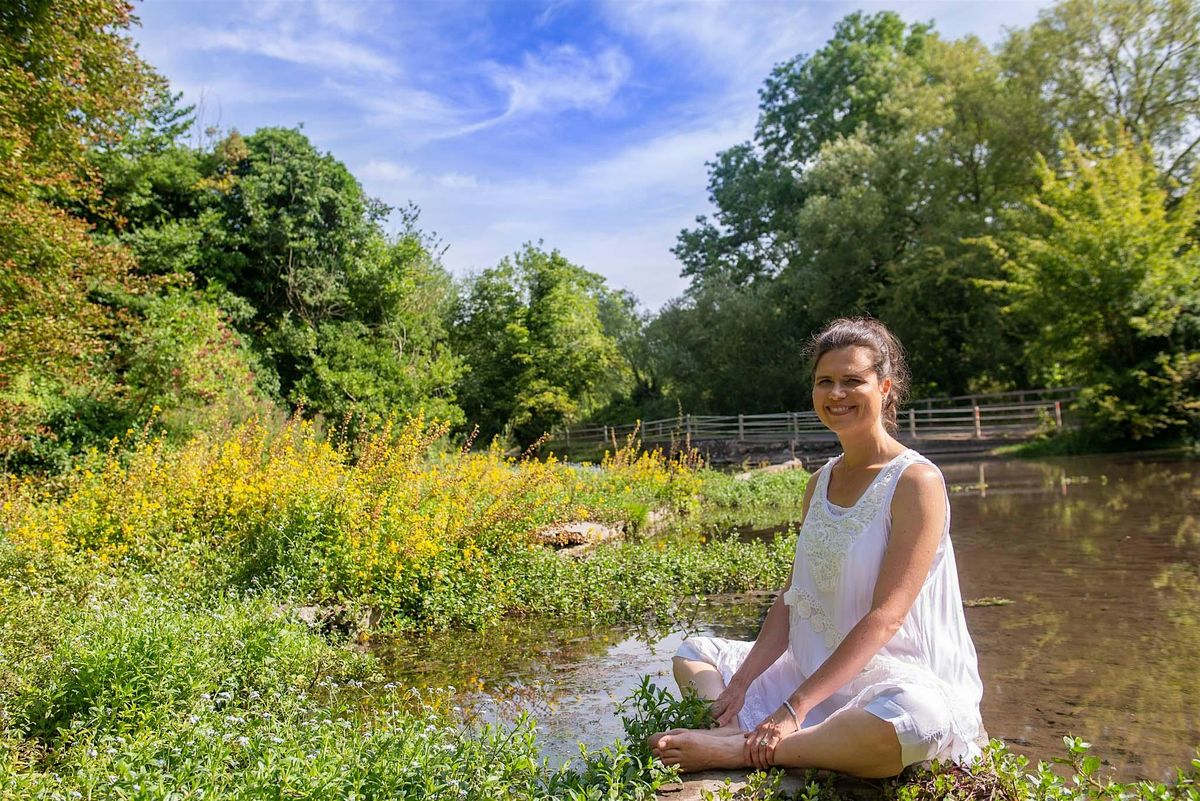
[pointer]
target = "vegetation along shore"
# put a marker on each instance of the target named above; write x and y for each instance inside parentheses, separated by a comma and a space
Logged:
(235, 389)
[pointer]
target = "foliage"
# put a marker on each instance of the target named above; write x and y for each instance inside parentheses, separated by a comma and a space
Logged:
(431, 539)
(880, 160)
(758, 495)
(1101, 270)
(129, 696)
(531, 333)
(652, 710)
(344, 321)
(999, 774)
(1097, 70)
(67, 75)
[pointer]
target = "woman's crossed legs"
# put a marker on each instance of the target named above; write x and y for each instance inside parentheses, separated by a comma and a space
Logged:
(850, 741)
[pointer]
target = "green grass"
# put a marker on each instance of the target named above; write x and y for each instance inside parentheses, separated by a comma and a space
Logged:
(1079, 442)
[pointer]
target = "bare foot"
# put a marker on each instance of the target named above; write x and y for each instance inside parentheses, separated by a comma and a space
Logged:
(699, 750)
(654, 739)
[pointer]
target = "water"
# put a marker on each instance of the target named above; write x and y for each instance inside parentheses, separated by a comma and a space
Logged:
(1100, 557)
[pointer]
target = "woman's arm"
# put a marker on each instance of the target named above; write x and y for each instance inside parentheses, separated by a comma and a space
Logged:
(771, 642)
(918, 520)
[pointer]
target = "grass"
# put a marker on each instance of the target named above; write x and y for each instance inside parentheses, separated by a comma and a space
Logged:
(150, 648)
(1081, 442)
(130, 696)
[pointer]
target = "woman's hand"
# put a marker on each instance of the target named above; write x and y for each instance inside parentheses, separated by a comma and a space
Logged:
(727, 705)
(760, 743)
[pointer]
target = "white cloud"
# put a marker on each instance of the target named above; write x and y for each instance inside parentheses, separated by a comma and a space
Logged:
(561, 78)
(553, 81)
(311, 50)
(618, 215)
(739, 41)
(386, 172)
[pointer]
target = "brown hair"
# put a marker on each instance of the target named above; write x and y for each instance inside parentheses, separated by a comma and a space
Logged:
(846, 332)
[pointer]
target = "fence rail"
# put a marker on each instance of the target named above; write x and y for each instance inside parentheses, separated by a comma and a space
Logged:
(999, 415)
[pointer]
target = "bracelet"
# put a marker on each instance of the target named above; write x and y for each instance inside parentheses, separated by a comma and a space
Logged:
(792, 710)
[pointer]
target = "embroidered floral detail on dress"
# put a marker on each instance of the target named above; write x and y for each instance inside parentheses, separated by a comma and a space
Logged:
(827, 537)
(805, 606)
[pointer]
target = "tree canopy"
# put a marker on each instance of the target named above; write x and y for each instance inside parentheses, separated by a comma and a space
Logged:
(1018, 215)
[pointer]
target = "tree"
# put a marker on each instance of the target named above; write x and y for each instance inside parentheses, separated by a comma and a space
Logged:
(874, 159)
(343, 321)
(728, 349)
(68, 76)
(806, 102)
(1101, 271)
(531, 333)
(1100, 69)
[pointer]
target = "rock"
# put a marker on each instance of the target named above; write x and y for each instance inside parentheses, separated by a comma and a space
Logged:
(790, 464)
(693, 786)
(574, 539)
(337, 618)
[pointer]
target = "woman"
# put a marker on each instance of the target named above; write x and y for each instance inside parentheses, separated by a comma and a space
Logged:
(864, 664)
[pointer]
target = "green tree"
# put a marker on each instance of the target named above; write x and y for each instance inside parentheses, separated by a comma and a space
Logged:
(806, 103)
(344, 321)
(874, 159)
(68, 77)
(531, 333)
(1102, 273)
(1100, 69)
(723, 348)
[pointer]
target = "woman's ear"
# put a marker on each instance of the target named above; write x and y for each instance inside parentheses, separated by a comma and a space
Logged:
(885, 387)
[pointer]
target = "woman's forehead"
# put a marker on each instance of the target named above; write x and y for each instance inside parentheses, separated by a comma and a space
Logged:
(852, 359)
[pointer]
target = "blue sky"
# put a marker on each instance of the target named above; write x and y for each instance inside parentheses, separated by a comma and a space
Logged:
(586, 125)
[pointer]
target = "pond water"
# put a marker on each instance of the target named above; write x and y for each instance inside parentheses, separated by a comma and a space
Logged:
(1099, 556)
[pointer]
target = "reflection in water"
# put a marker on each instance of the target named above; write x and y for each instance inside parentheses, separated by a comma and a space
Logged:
(1100, 556)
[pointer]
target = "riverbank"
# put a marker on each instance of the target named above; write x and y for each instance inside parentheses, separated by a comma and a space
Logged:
(142, 657)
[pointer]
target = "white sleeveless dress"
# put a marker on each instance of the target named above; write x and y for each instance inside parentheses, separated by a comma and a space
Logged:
(925, 679)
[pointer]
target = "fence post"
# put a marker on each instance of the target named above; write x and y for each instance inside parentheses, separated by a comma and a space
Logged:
(687, 426)
(1058, 414)
(978, 424)
(605, 436)
(741, 427)
(912, 423)
(795, 425)
(568, 433)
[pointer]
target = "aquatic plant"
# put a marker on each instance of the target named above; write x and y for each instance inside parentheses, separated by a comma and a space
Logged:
(130, 696)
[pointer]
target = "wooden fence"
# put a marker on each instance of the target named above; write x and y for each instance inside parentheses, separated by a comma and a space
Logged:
(998, 415)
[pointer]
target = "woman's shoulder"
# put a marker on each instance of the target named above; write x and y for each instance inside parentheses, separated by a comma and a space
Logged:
(919, 475)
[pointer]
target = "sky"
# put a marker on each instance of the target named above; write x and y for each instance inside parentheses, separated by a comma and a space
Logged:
(583, 125)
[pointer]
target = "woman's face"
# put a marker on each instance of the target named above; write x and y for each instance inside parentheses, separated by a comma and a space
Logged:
(847, 394)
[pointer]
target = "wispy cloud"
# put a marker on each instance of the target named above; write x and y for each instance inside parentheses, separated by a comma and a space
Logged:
(561, 78)
(546, 83)
(315, 50)
(586, 123)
